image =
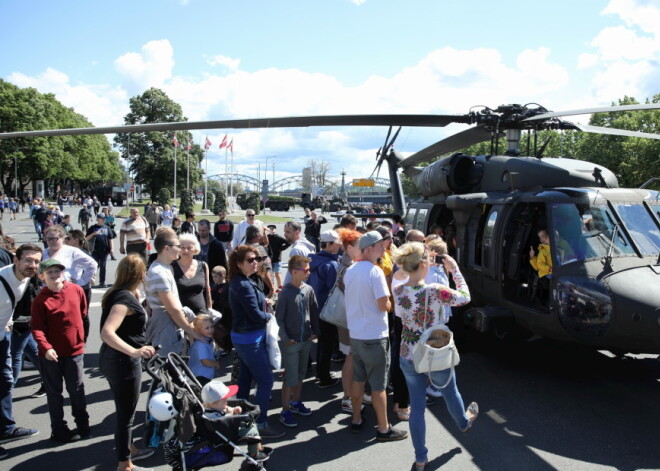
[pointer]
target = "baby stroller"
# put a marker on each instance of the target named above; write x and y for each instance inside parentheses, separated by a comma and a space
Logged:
(197, 441)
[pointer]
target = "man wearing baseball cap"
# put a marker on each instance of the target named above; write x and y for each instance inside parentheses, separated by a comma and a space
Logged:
(367, 303)
(324, 266)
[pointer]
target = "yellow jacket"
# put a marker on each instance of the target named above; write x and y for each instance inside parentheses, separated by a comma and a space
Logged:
(542, 263)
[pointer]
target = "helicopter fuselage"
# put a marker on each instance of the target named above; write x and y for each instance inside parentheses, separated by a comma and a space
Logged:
(605, 247)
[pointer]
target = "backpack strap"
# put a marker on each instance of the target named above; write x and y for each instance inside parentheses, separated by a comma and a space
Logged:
(9, 291)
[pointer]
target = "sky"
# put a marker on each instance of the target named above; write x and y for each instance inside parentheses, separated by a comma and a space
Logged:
(223, 59)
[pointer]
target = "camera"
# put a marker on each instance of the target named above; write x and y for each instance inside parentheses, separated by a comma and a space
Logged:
(439, 259)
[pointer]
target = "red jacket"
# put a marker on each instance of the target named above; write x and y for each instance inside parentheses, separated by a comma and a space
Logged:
(57, 320)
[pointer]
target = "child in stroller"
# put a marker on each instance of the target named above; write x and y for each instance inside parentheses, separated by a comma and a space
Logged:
(205, 425)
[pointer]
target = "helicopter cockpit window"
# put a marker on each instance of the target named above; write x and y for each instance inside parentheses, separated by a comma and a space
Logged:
(421, 219)
(582, 231)
(641, 227)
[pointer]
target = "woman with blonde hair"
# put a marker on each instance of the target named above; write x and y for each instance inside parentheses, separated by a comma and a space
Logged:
(123, 328)
(192, 277)
(421, 306)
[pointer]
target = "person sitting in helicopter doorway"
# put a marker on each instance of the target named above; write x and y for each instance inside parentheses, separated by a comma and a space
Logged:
(542, 262)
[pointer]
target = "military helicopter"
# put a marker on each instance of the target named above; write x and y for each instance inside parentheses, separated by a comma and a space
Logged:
(604, 240)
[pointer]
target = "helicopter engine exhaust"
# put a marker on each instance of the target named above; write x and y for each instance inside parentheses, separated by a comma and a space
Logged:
(458, 173)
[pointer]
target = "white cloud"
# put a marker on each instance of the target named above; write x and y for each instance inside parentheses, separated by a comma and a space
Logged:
(149, 68)
(103, 105)
(621, 43)
(644, 14)
(586, 61)
(228, 62)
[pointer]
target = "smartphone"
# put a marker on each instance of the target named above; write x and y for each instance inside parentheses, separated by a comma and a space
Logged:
(439, 259)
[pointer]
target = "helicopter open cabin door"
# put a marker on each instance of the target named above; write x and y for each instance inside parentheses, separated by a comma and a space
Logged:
(482, 233)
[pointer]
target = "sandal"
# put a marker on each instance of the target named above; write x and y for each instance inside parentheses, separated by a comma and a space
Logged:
(472, 412)
(416, 467)
(402, 414)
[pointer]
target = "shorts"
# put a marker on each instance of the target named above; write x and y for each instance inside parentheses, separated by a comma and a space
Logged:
(371, 362)
(277, 267)
(295, 359)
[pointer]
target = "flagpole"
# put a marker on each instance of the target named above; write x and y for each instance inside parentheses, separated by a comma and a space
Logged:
(206, 179)
(188, 177)
(175, 174)
(226, 175)
(232, 172)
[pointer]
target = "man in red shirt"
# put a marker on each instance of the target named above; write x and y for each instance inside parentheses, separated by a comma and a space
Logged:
(60, 327)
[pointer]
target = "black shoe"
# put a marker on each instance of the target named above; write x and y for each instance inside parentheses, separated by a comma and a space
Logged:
(391, 435)
(84, 432)
(328, 383)
(65, 436)
(19, 433)
(338, 357)
(357, 428)
(3, 453)
(41, 392)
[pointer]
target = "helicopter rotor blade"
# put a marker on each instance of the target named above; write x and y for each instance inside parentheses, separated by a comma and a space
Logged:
(600, 109)
(282, 122)
(453, 143)
(614, 131)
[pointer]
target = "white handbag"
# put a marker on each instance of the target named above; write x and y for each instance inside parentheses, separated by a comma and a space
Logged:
(272, 344)
(334, 309)
(435, 350)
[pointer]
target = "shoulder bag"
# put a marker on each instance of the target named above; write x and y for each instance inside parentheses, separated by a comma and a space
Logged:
(435, 350)
(272, 344)
(334, 309)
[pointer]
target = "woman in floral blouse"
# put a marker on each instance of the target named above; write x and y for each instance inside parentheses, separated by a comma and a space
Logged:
(421, 306)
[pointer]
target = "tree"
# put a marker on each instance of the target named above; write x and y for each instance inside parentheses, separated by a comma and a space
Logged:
(210, 199)
(187, 201)
(220, 202)
(164, 197)
(151, 154)
(254, 202)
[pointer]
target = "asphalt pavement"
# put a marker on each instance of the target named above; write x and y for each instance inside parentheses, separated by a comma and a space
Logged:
(544, 406)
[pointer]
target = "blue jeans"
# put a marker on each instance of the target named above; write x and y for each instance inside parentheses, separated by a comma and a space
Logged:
(7, 424)
(23, 342)
(255, 365)
(101, 259)
(417, 383)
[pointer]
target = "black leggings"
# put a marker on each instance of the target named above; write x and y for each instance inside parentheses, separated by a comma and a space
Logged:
(125, 377)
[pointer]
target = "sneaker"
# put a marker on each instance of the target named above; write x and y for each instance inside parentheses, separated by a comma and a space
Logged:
(328, 383)
(429, 401)
(299, 408)
(357, 428)
(41, 392)
(142, 454)
(286, 419)
(347, 405)
(65, 436)
(3, 453)
(84, 432)
(366, 399)
(433, 391)
(19, 433)
(268, 432)
(391, 435)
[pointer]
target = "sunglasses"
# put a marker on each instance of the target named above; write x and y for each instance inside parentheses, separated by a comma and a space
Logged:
(254, 259)
(250, 215)
(174, 245)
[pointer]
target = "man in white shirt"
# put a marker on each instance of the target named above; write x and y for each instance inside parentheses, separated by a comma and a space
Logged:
(14, 282)
(299, 245)
(367, 300)
(239, 230)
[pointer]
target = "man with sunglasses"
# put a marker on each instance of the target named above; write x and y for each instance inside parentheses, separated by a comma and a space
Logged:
(241, 228)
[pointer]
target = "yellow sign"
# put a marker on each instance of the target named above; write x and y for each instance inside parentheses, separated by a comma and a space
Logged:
(364, 182)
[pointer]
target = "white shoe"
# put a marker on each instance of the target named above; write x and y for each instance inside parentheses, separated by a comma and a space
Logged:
(347, 405)
(432, 391)
(367, 399)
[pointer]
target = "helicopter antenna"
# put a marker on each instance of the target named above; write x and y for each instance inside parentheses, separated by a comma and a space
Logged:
(538, 154)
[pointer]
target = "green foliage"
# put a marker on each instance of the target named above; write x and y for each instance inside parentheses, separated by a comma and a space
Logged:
(84, 160)
(210, 199)
(151, 154)
(164, 196)
(220, 202)
(254, 202)
(187, 201)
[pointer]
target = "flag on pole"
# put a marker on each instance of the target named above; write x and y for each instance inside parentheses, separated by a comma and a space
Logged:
(188, 146)
(207, 144)
(175, 141)
(230, 147)
(223, 144)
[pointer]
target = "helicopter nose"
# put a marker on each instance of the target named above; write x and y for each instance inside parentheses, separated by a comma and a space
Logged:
(637, 306)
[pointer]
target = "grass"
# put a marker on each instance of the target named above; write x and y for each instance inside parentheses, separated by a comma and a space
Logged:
(266, 218)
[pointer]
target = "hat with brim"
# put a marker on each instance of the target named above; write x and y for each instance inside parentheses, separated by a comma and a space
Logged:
(330, 236)
(216, 390)
(369, 239)
(51, 262)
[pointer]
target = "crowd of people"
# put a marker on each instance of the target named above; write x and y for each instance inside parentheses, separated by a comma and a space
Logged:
(208, 291)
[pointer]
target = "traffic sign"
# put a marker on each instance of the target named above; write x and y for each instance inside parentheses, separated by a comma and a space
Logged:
(364, 182)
